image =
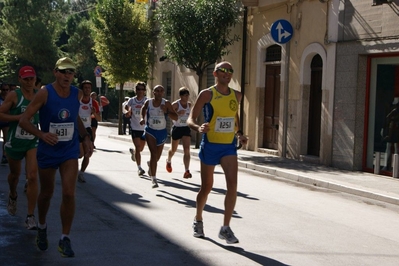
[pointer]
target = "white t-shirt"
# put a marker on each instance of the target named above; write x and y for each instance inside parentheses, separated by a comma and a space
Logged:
(135, 105)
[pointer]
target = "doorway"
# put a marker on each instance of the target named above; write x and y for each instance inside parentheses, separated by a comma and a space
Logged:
(315, 99)
(271, 107)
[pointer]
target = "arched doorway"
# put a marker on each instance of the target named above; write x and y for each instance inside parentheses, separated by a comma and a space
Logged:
(315, 99)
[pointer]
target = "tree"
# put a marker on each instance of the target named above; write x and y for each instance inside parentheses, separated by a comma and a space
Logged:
(80, 46)
(122, 43)
(28, 32)
(197, 32)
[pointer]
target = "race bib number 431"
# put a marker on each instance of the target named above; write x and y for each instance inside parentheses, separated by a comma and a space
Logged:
(64, 131)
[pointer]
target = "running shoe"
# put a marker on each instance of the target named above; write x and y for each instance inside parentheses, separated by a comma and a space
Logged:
(65, 248)
(187, 174)
(12, 205)
(198, 227)
(228, 235)
(140, 172)
(168, 166)
(4, 160)
(81, 178)
(149, 169)
(30, 222)
(133, 154)
(41, 239)
(154, 182)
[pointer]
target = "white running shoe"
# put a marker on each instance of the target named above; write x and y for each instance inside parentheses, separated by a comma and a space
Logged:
(228, 235)
(198, 227)
(154, 182)
(30, 222)
(133, 154)
(140, 172)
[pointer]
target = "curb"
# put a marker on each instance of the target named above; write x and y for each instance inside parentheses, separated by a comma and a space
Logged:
(270, 172)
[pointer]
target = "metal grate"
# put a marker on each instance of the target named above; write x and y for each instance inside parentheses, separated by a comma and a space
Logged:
(273, 53)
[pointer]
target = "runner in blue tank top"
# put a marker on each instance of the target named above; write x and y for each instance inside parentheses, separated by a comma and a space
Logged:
(153, 115)
(60, 127)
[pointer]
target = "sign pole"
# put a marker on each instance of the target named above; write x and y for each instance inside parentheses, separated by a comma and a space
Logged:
(97, 73)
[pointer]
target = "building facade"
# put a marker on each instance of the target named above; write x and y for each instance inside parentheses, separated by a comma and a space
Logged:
(323, 96)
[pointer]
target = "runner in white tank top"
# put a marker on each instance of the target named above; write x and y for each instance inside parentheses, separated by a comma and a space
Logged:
(134, 106)
(181, 131)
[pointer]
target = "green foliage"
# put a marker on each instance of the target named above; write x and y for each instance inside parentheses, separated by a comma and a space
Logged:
(80, 46)
(28, 32)
(122, 40)
(122, 43)
(197, 32)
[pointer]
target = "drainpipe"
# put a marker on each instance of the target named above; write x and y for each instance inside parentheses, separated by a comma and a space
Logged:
(243, 64)
(286, 91)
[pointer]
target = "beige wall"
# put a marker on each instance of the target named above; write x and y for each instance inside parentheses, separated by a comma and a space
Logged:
(309, 20)
(306, 42)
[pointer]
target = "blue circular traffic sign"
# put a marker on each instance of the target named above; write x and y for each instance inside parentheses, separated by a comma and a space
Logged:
(97, 71)
(282, 31)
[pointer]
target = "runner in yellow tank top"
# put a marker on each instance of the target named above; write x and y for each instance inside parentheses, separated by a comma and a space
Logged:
(219, 105)
(221, 114)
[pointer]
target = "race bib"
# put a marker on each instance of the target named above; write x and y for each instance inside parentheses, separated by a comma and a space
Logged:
(86, 120)
(137, 113)
(23, 134)
(224, 124)
(157, 122)
(64, 131)
(183, 120)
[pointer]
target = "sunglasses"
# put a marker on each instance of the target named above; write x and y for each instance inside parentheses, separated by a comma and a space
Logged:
(225, 70)
(66, 71)
(140, 89)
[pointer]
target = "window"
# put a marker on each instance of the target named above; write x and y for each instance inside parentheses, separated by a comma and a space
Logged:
(383, 113)
(273, 53)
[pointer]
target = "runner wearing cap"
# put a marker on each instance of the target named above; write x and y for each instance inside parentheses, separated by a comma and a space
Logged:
(21, 144)
(60, 128)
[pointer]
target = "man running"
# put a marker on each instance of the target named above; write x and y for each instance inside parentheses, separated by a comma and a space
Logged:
(181, 131)
(21, 144)
(220, 129)
(58, 104)
(154, 114)
(88, 108)
(137, 130)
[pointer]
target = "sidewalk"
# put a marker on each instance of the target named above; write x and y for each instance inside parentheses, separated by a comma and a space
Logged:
(377, 187)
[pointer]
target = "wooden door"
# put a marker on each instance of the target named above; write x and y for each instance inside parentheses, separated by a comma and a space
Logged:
(272, 107)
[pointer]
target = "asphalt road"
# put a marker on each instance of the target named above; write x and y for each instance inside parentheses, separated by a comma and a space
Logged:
(121, 220)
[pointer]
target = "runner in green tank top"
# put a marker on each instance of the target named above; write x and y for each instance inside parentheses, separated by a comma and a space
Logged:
(21, 144)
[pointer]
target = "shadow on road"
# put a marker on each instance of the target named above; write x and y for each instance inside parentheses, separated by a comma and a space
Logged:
(262, 260)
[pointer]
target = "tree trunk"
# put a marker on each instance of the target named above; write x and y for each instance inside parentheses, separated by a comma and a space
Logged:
(120, 113)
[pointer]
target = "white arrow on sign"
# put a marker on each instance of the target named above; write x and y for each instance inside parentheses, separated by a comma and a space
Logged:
(281, 32)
